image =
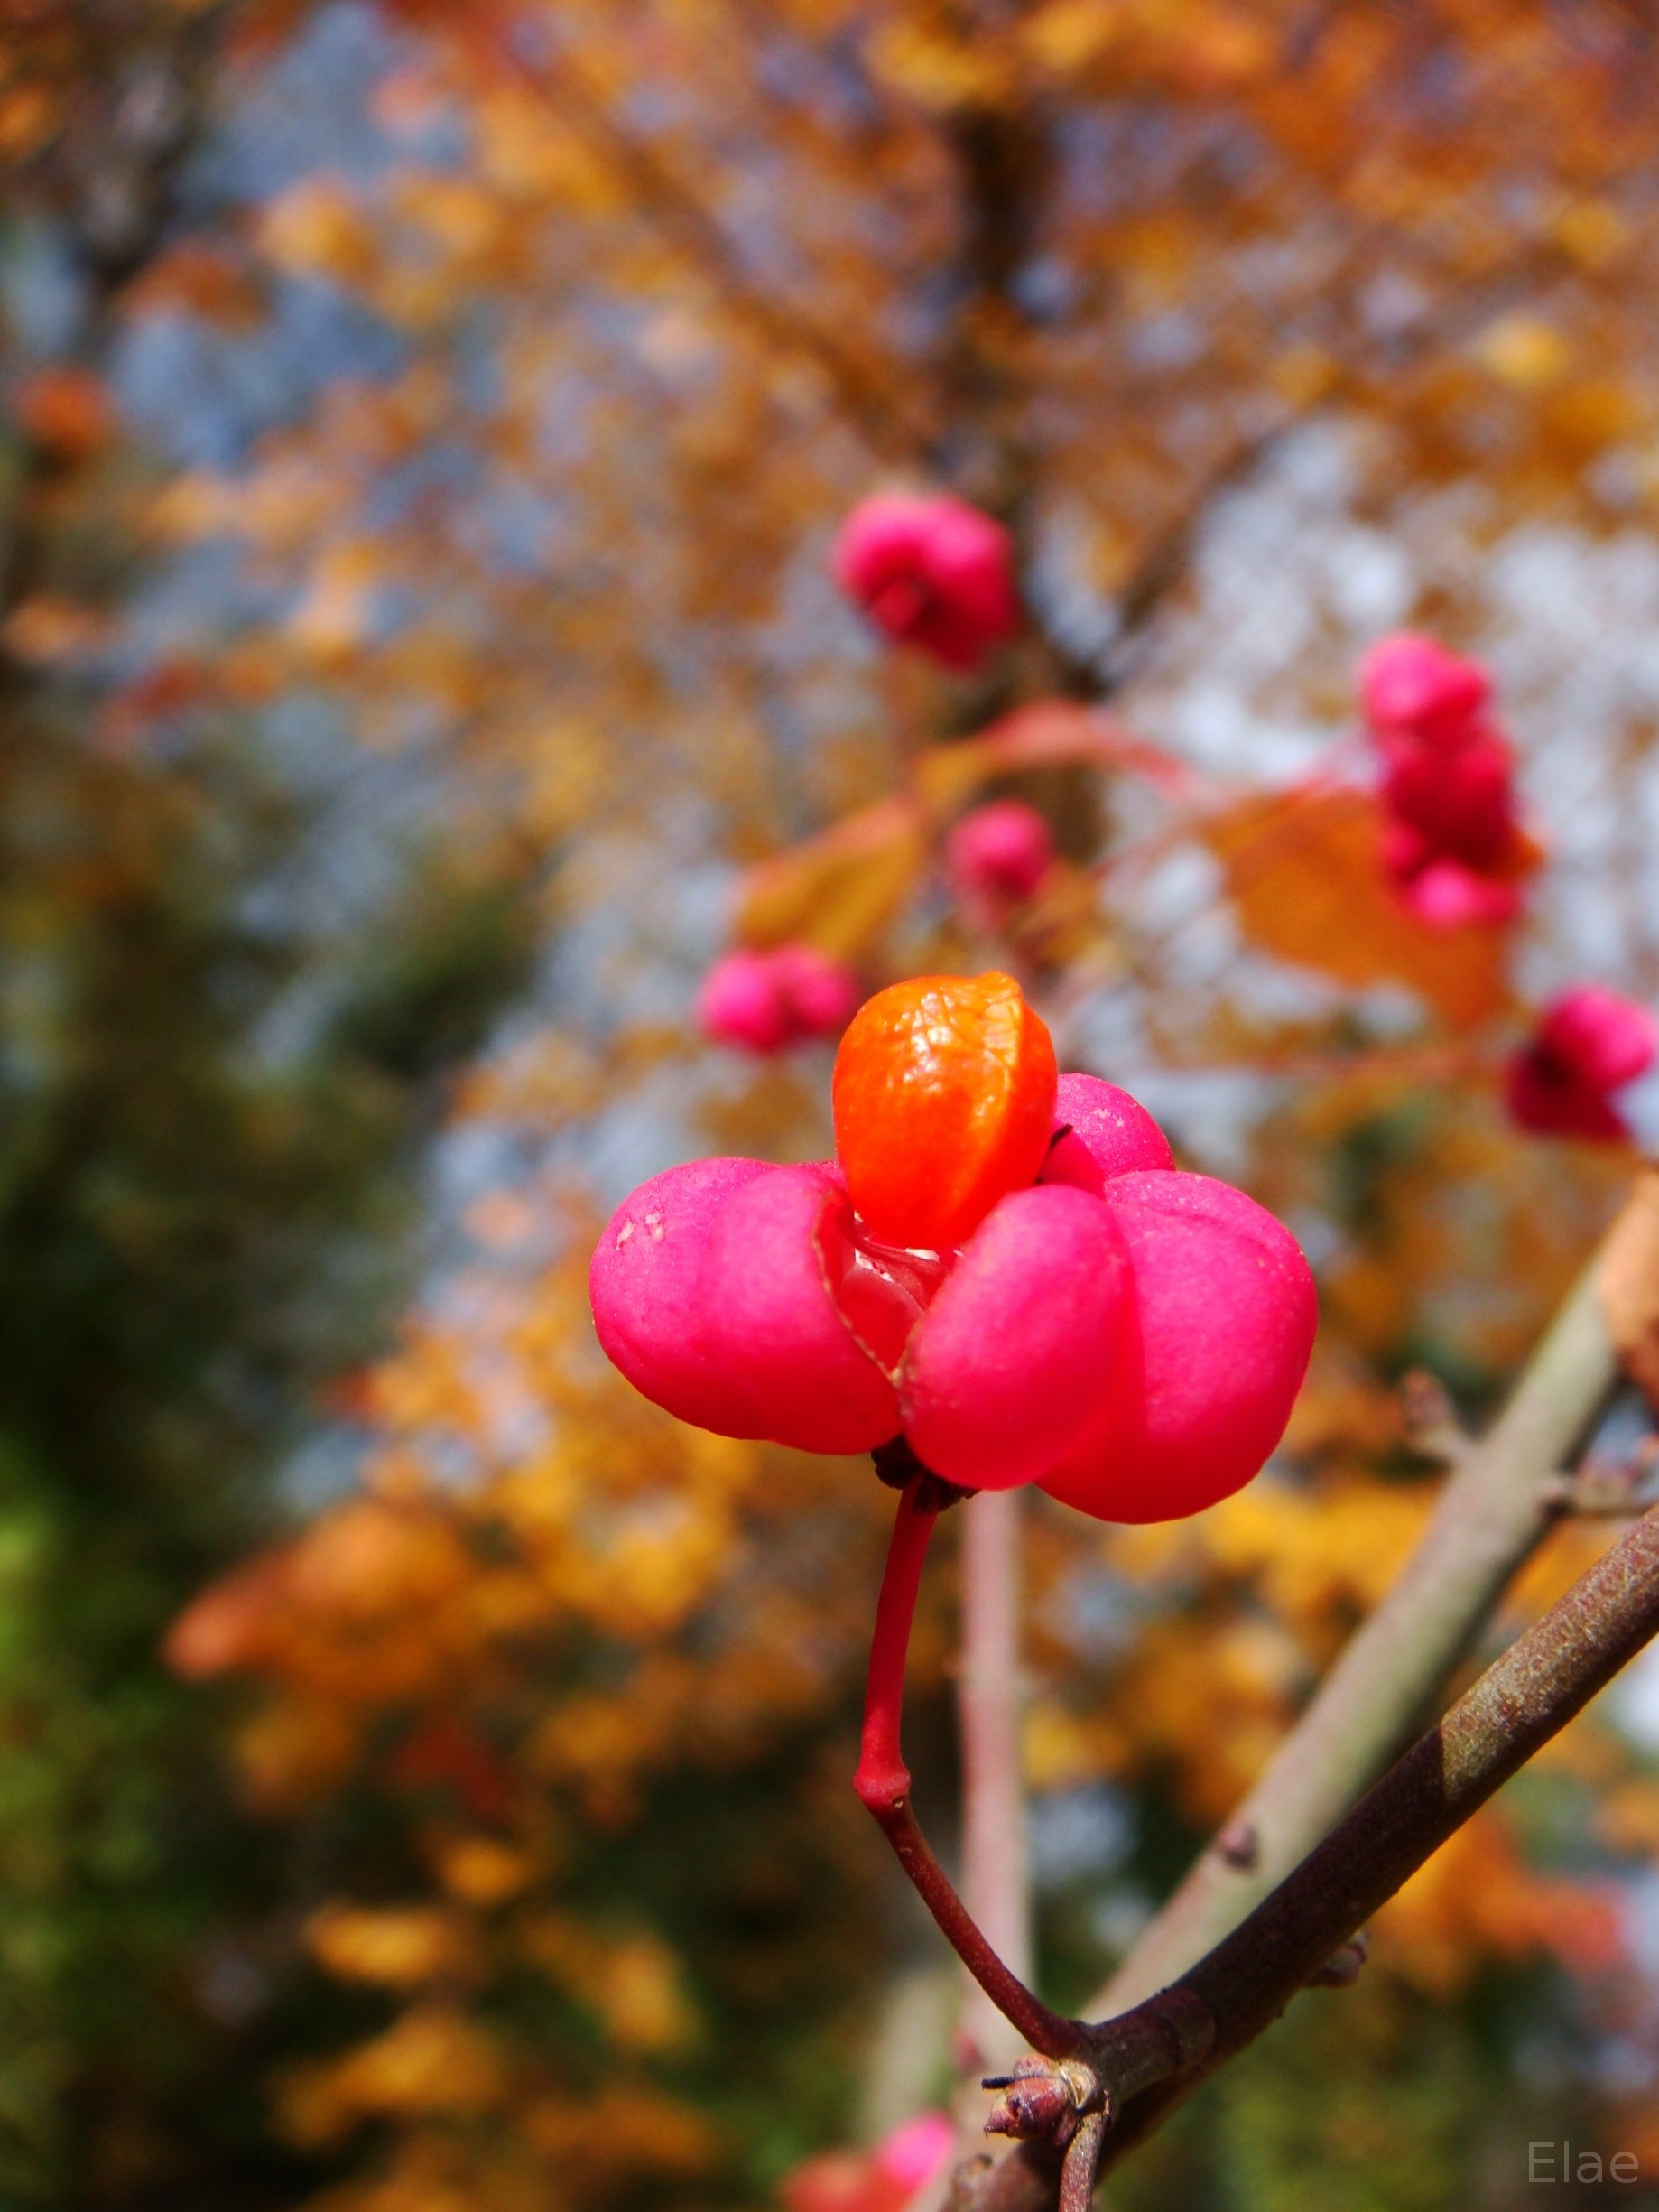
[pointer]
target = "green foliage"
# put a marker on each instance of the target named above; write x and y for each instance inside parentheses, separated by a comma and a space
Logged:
(197, 1232)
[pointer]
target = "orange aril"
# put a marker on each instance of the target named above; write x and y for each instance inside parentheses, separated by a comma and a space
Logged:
(944, 1102)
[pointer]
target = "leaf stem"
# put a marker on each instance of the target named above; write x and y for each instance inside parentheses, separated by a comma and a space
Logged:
(882, 1784)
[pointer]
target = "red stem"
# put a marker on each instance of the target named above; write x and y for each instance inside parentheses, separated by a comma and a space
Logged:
(883, 1783)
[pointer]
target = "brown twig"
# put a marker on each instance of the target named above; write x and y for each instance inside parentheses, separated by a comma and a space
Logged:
(1081, 2164)
(1242, 1986)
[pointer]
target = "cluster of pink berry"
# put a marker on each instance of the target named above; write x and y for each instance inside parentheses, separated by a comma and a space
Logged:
(1002, 1266)
(1454, 845)
(766, 1003)
(933, 572)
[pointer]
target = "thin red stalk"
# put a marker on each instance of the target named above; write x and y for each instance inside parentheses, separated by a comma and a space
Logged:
(882, 1773)
(883, 1783)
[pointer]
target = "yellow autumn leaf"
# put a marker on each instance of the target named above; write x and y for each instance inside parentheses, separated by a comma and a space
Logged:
(317, 229)
(397, 1946)
(1524, 352)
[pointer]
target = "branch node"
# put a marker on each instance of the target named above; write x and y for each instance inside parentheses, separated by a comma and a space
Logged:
(1044, 2098)
(1341, 1970)
(1429, 1420)
(1189, 2020)
(1239, 1844)
(1608, 1489)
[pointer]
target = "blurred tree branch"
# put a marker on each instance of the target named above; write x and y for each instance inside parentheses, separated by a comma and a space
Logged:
(881, 412)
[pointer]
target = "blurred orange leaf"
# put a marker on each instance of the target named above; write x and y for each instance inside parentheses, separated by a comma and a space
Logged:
(838, 890)
(1304, 870)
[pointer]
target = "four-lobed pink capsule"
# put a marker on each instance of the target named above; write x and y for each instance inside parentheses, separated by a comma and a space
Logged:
(1129, 1337)
(931, 572)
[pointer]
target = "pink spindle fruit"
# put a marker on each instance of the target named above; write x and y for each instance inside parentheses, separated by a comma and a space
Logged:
(766, 1002)
(1024, 1340)
(740, 1003)
(998, 856)
(1225, 1315)
(822, 994)
(930, 572)
(644, 1287)
(916, 2150)
(1462, 803)
(1589, 1044)
(1129, 1337)
(771, 1325)
(1453, 844)
(1107, 1133)
(1412, 686)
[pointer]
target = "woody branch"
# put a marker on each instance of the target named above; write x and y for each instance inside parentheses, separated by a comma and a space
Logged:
(1239, 1989)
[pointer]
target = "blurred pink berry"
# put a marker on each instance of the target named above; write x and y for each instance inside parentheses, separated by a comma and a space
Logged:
(741, 1003)
(1129, 1337)
(1411, 686)
(1588, 1043)
(916, 2150)
(884, 2180)
(998, 856)
(765, 1002)
(1461, 802)
(822, 994)
(930, 572)
(1447, 895)
(1453, 844)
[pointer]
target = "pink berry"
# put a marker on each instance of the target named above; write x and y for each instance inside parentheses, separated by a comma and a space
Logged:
(642, 1282)
(772, 1330)
(742, 1003)
(1462, 803)
(930, 572)
(998, 856)
(1447, 896)
(820, 995)
(916, 2150)
(1028, 1334)
(1224, 1312)
(1607, 1039)
(1108, 1133)
(1589, 1044)
(1412, 686)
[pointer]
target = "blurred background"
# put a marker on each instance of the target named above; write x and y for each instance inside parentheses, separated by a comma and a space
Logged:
(423, 1766)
